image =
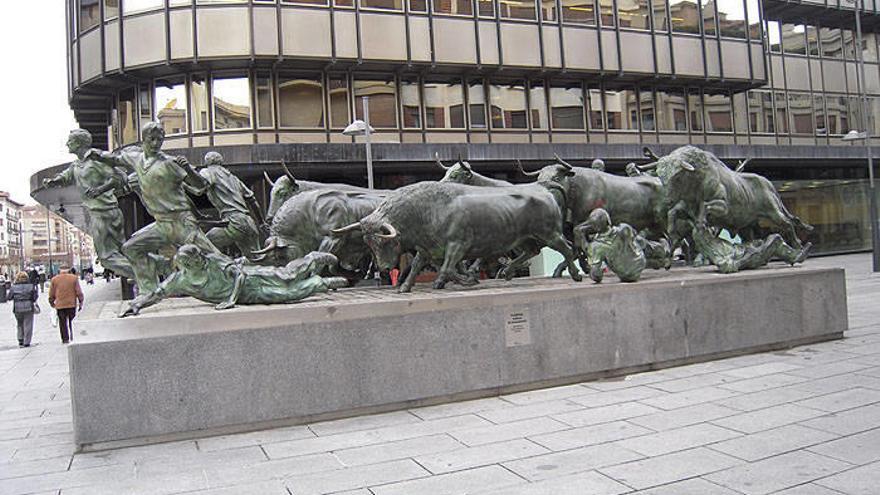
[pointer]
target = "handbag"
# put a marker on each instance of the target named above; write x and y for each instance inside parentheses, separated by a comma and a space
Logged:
(36, 309)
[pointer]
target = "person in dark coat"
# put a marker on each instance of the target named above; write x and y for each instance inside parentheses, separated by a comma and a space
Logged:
(33, 276)
(24, 296)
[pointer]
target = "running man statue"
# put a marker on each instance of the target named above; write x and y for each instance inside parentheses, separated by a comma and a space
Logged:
(218, 279)
(235, 203)
(620, 247)
(98, 184)
(160, 182)
(731, 258)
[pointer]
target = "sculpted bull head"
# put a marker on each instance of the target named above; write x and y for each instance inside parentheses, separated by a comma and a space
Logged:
(382, 239)
(284, 188)
(461, 172)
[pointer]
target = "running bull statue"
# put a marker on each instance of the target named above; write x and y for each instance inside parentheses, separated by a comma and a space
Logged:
(445, 223)
(304, 224)
(462, 173)
(697, 185)
(287, 186)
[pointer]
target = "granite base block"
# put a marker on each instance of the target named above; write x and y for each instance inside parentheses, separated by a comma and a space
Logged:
(182, 369)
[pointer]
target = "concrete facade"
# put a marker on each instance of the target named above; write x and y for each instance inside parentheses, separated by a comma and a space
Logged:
(185, 370)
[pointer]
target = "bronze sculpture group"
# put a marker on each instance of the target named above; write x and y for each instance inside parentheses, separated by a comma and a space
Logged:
(681, 201)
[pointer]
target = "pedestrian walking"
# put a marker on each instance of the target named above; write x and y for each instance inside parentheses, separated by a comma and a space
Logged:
(24, 305)
(34, 276)
(66, 296)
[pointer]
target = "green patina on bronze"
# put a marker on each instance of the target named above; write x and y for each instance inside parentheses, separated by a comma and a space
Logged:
(218, 279)
(620, 247)
(235, 203)
(731, 257)
(160, 184)
(98, 185)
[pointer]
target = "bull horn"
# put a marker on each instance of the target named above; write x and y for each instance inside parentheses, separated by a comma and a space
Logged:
(437, 159)
(742, 164)
(287, 172)
(348, 228)
(523, 171)
(268, 179)
(649, 154)
(273, 245)
(646, 167)
(392, 232)
(687, 166)
(561, 161)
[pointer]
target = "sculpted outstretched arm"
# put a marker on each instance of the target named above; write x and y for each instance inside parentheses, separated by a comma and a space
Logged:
(62, 179)
(236, 289)
(168, 288)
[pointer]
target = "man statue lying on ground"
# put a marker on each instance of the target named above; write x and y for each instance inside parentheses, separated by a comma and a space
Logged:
(225, 282)
(731, 258)
(620, 247)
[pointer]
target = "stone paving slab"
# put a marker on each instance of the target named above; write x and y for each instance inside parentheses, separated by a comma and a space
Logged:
(803, 421)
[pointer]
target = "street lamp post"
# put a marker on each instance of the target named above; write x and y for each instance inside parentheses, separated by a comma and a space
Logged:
(866, 136)
(362, 128)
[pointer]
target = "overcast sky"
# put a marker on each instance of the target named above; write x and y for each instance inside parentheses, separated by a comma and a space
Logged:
(36, 117)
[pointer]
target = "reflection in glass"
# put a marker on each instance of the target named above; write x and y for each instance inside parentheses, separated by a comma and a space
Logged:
(548, 10)
(414, 5)
(753, 14)
(633, 13)
(306, 2)
(578, 12)
(813, 40)
(89, 14)
(383, 5)
(793, 40)
(517, 9)
(567, 108)
(264, 101)
(595, 100)
(732, 18)
(411, 104)
(620, 110)
(383, 102)
(340, 115)
(646, 106)
(660, 21)
(829, 40)
(837, 210)
(774, 38)
(821, 127)
(477, 104)
(685, 16)
(444, 105)
(128, 132)
(717, 110)
(695, 107)
(740, 113)
(781, 112)
(856, 108)
(350, 3)
(301, 102)
(801, 113)
(171, 105)
(606, 13)
(456, 7)
(761, 118)
(232, 103)
(708, 7)
(145, 105)
(486, 8)
(671, 110)
(111, 8)
(849, 44)
(508, 106)
(869, 47)
(199, 98)
(838, 114)
(132, 6)
(538, 105)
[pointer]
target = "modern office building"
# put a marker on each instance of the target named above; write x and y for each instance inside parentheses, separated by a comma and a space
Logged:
(492, 80)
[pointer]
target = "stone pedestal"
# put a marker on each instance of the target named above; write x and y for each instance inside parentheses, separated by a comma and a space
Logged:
(182, 369)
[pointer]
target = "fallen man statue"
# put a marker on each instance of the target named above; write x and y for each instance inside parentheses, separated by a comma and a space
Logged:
(620, 247)
(225, 282)
(731, 258)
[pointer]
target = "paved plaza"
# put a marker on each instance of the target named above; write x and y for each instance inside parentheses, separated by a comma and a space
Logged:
(804, 421)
